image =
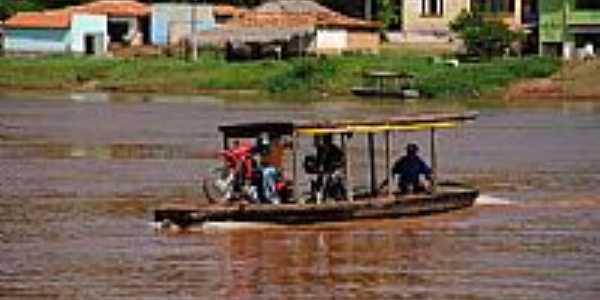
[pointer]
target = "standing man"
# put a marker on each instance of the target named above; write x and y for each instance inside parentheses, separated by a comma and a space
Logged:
(409, 169)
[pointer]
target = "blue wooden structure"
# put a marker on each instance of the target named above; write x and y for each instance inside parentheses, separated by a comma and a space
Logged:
(37, 40)
(171, 22)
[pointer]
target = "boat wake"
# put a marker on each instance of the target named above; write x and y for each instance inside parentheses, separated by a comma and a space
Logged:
(233, 226)
(163, 226)
(491, 200)
(212, 226)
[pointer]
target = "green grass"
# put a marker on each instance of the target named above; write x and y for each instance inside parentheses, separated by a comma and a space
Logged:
(338, 74)
(335, 75)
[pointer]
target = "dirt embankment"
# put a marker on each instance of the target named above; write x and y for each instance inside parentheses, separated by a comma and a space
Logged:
(576, 80)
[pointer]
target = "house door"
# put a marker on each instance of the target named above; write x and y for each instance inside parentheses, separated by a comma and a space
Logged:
(90, 45)
(94, 44)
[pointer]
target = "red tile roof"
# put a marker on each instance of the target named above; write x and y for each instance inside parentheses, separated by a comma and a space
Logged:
(302, 19)
(115, 8)
(339, 20)
(56, 19)
(272, 20)
(314, 13)
(226, 10)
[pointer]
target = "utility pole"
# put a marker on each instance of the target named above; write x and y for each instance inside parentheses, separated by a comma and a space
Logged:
(194, 39)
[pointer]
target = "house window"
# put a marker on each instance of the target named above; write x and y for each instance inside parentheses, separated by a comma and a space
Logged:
(494, 6)
(432, 7)
(587, 4)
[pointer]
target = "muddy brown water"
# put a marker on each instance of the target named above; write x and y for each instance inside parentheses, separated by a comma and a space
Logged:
(80, 174)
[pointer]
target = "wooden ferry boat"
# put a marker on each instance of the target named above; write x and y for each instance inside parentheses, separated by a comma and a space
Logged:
(370, 202)
(384, 84)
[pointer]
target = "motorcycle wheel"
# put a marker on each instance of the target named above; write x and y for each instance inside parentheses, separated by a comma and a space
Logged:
(217, 186)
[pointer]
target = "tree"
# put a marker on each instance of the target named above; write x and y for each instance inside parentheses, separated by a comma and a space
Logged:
(484, 38)
(10, 7)
(388, 12)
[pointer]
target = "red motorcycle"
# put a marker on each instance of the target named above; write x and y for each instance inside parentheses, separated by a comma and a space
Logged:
(239, 178)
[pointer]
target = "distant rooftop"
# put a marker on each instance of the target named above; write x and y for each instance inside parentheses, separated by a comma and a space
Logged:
(61, 18)
(297, 13)
(292, 6)
(293, 20)
(280, 21)
(53, 19)
(115, 8)
(226, 10)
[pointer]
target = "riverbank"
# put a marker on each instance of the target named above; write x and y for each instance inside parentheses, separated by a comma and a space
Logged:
(332, 75)
(576, 80)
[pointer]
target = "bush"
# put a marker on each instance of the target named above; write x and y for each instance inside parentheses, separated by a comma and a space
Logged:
(302, 74)
(472, 80)
(484, 38)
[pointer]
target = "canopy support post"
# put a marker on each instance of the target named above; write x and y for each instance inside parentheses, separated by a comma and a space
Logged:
(296, 185)
(434, 163)
(347, 169)
(225, 142)
(372, 170)
(388, 167)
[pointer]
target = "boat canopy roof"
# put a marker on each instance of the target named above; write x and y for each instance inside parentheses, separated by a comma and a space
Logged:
(254, 129)
(410, 122)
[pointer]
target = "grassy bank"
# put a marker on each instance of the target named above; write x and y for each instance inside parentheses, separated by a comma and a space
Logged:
(333, 75)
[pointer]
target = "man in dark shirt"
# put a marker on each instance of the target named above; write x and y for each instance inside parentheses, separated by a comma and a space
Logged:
(409, 168)
(330, 160)
(329, 156)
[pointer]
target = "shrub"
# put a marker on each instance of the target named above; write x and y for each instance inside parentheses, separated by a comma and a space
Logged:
(484, 38)
(302, 74)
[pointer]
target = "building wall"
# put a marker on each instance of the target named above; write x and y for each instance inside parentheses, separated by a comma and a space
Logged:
(416, 26)
(552, 21)
(499, 10)
(172, 22)
(37, 40)
(559, 20)
(82, 25)
(366, 42)
(331, 41)
(338, 41)
(162, 14)
(582, 17)
(414, 22)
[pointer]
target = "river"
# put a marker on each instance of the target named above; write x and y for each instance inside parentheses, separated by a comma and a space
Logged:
(80, 175)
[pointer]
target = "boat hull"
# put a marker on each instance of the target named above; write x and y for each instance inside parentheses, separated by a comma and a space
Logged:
(393, 93)
(368, 208)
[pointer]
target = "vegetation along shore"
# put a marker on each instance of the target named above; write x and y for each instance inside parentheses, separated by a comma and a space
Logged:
(326, 75)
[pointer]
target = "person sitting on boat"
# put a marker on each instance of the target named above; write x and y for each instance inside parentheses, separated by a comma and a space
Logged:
(409, 169)
(329, 161)
(272, 168)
